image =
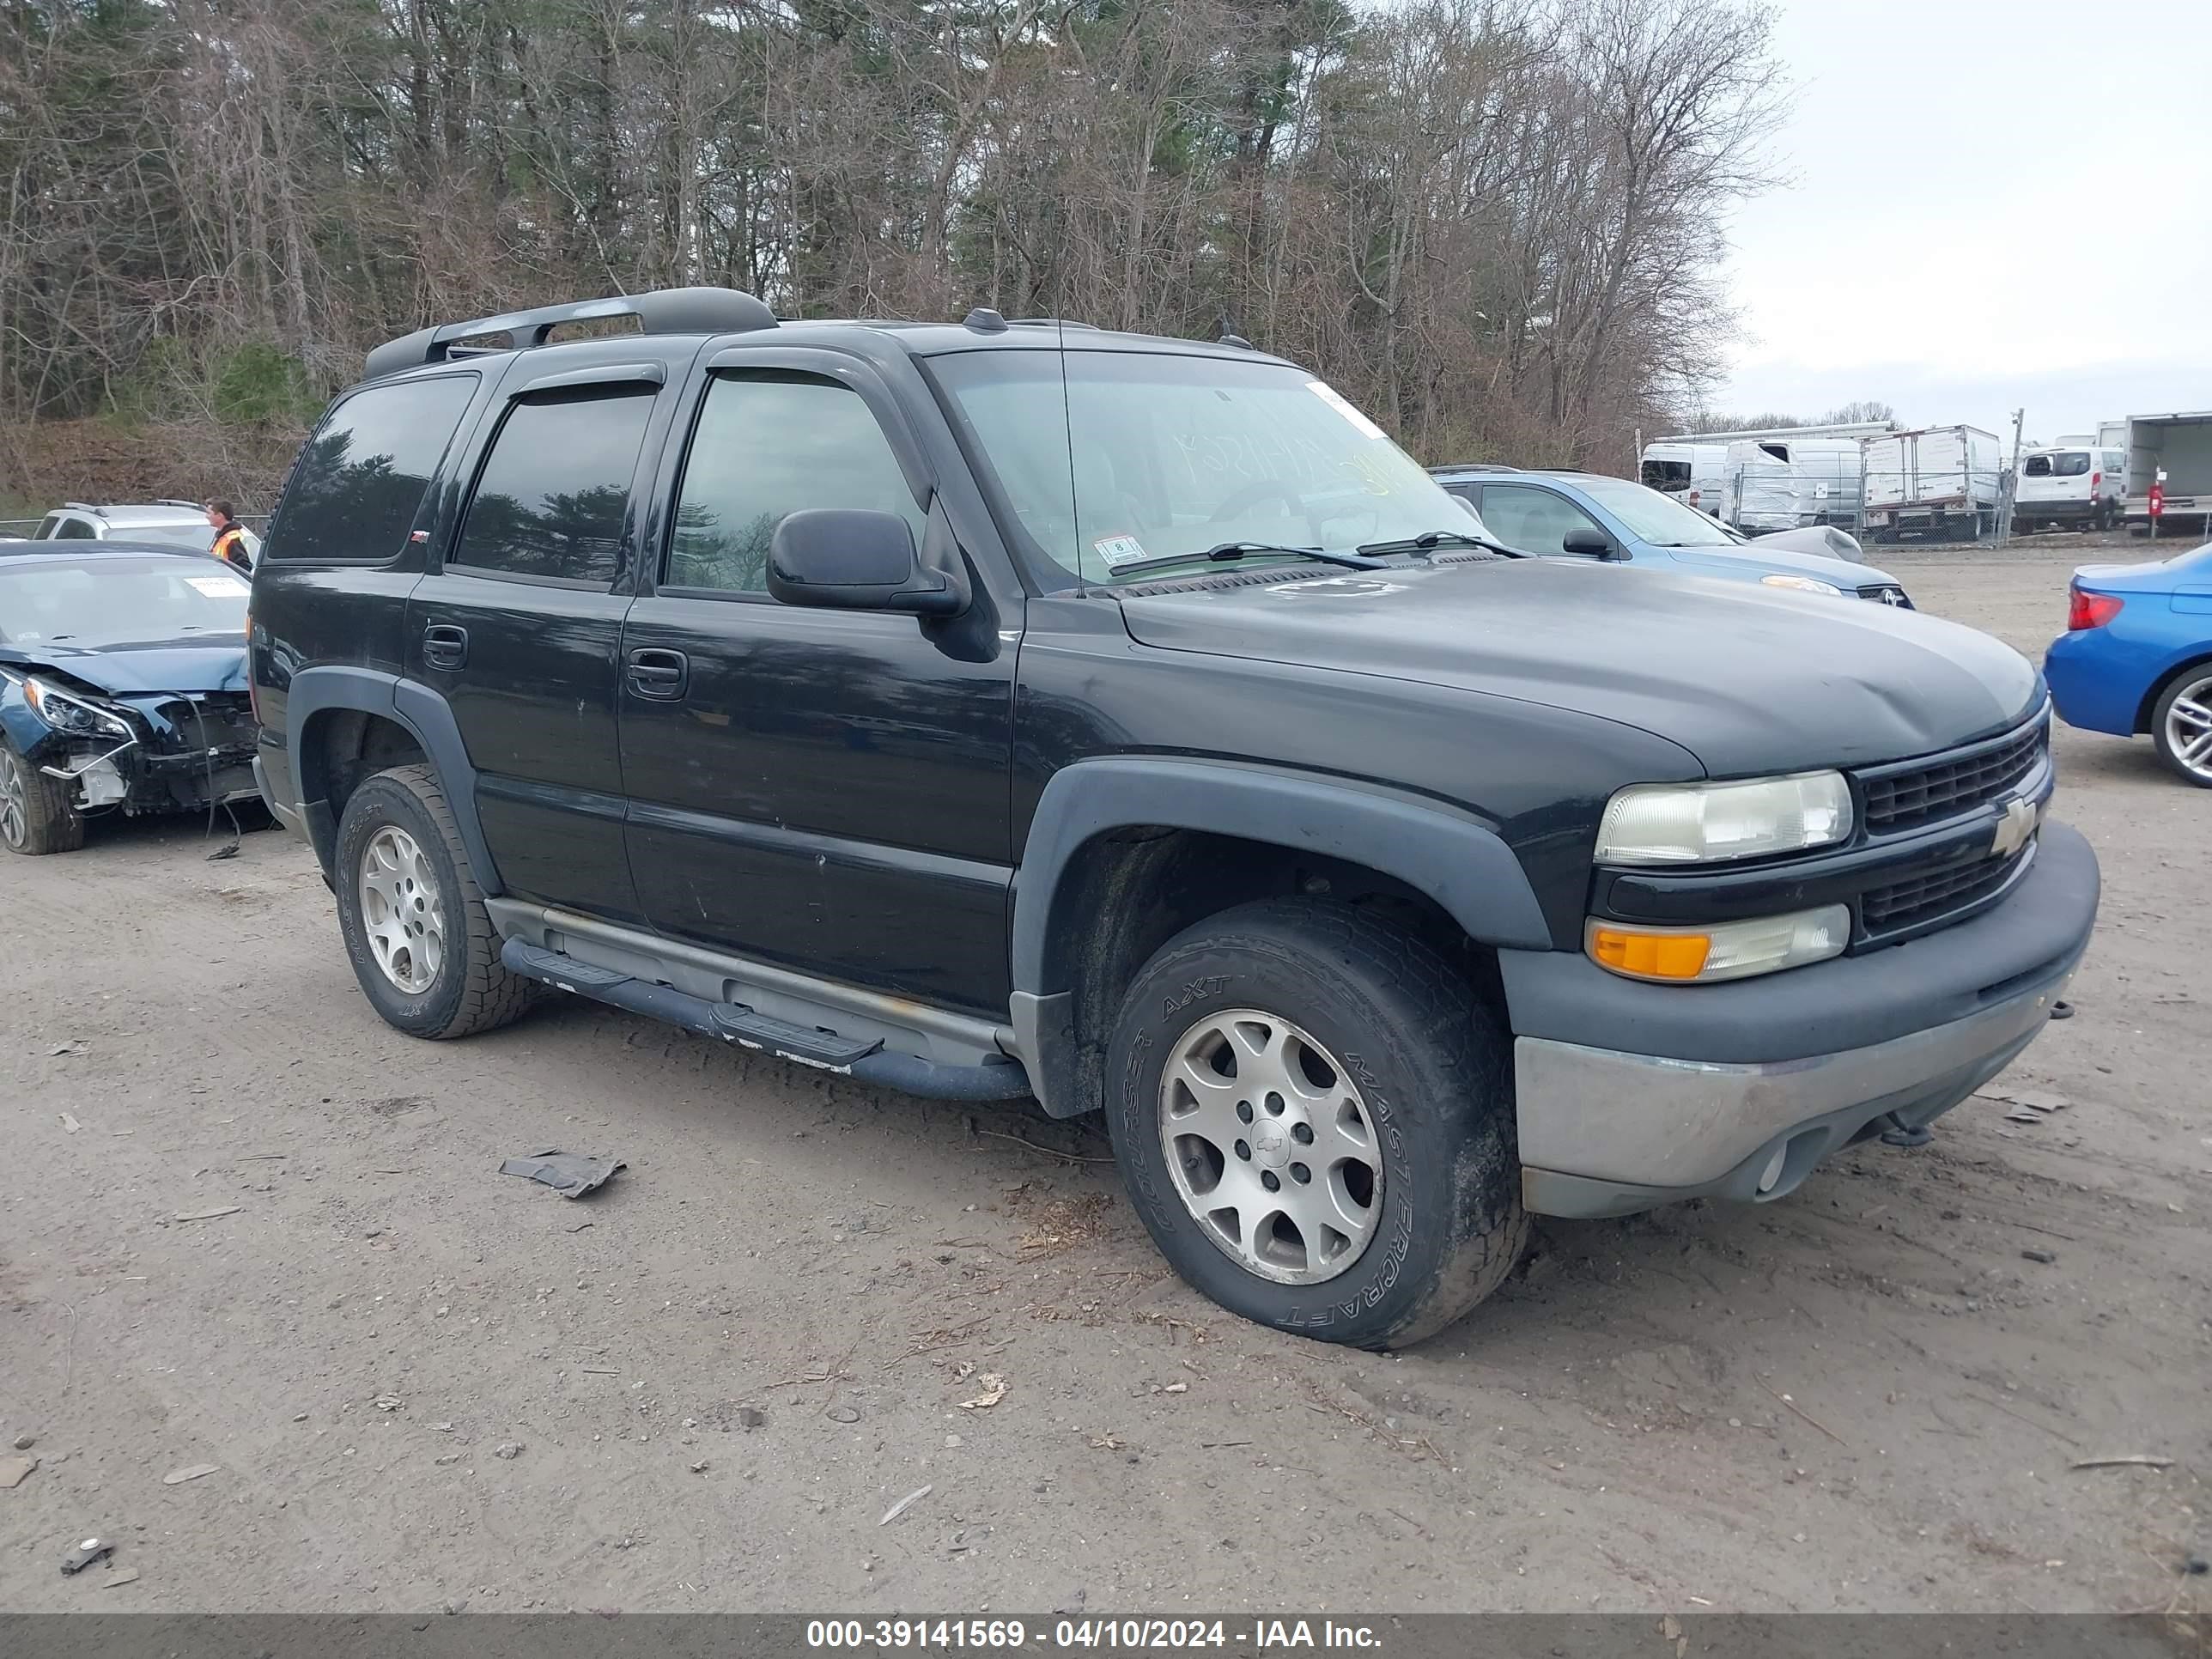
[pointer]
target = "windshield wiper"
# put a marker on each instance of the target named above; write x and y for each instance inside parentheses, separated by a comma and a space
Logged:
(1429, 539)
(1221, 552)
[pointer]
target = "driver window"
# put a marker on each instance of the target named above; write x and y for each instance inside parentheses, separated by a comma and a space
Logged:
(1532, 519)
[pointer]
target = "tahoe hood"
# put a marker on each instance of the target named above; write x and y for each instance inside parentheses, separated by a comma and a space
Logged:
(1751, 680)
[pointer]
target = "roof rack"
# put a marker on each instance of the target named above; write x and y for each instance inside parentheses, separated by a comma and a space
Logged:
(170, 500)
(1049, 322)
(85, 506)
(668, 311)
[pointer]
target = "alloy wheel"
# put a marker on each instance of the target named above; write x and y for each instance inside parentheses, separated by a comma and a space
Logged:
(401, 912)
(1271, 1146)
(2189, 728)
(14, 808)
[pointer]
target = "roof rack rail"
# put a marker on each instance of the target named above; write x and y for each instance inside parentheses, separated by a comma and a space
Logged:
(667, 311)
(83, 507)
(1049, 322)
(170, 500)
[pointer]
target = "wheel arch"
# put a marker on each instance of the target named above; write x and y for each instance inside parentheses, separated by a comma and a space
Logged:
(345, 723)
(1123, 852)
(2201, 658)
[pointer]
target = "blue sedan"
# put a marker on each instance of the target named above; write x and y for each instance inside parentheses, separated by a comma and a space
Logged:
(2136, 657)
(1591, 515)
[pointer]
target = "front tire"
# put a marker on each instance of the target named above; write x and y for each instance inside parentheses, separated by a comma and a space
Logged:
(36, 816)
(1313, 1114)
(422, 942)
(2181, 726)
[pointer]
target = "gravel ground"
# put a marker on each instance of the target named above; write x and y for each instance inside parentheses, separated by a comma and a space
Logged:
(424, 1385)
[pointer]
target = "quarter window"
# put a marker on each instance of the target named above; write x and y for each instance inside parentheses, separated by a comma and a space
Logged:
(770, 443)
(359, 482)
(550, 502)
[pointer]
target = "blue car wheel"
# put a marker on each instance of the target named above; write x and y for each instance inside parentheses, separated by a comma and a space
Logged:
(2181, 726)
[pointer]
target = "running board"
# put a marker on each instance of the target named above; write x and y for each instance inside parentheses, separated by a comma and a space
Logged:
(862, 1058)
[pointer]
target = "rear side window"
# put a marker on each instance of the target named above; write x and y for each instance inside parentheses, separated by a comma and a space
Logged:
(75, 529)
(548, 504)
(359, 482)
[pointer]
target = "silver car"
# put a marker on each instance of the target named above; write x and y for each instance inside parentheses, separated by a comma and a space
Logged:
(175, 524)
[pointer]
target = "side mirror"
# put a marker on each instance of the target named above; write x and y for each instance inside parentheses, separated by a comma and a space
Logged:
(1587, 541)
(841, 558)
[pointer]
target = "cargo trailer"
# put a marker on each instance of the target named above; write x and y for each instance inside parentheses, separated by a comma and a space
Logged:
(1940, 482)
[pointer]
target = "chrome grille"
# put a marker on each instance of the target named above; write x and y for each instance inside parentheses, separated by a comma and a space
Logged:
(1923, 791)
(1885, 594)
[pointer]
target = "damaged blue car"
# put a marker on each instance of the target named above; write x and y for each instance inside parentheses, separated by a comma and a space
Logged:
(123, 689)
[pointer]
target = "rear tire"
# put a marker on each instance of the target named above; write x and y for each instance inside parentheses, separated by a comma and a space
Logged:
(36, 816)
(422, 942)
(2181, 726)
(1363, 1078)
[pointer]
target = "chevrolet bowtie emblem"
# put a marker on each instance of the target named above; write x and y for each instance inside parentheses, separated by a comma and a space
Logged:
(2014, 828)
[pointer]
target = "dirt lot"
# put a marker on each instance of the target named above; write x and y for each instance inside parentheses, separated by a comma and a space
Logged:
(424, 1385)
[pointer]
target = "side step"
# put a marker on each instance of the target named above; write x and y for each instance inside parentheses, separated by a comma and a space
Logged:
(864, 1059)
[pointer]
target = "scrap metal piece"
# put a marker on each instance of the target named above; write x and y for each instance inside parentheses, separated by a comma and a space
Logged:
(569, 1174)
(86, 1551)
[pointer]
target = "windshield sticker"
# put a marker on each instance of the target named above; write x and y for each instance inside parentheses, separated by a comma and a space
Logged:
(220, 588)
(1336, 400)
(1118, 551)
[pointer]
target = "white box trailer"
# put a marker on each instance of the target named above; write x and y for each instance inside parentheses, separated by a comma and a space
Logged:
(1941, 482)
(2178, 447)
(1785, 482)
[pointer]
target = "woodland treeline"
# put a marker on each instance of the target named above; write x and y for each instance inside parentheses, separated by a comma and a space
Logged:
(1495, 224)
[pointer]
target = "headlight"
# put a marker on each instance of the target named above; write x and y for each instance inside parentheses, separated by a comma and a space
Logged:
(1729, 949)
(1690, 822)
(69, 713)
(1803, 585)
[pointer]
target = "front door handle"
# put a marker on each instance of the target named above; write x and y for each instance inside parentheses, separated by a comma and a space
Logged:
(444, 646)
(660, 675)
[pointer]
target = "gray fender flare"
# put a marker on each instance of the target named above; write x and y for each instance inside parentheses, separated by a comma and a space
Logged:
(425, 714)
(1452, 856)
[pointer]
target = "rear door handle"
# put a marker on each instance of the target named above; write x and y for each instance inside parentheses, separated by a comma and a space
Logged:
(444, 646)
(660, 675)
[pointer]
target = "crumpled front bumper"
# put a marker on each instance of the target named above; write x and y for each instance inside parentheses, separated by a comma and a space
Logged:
(1630, 1095)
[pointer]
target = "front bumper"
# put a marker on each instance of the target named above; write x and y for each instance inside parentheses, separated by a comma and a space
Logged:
(1738, 1090)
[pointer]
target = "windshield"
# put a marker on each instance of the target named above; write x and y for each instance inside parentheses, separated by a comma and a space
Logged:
(1651, 516)
(2072, 464)
(1174, 454)
(112, 600)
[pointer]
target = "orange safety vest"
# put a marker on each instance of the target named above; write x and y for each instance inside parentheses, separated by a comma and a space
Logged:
(230, 548)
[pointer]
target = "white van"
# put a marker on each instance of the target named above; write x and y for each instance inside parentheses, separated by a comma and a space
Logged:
(1694, 474)
(1784, 483)
(2080, 485)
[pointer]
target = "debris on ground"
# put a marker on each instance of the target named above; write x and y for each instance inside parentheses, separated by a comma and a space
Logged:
(905, 1503)
(2044, 1256)
(2033, 1100)
(88, 1551)
(207, 1215)
(75, 1046)
(69, 1125)
(14, 1471)
(189, 1472)
(387, 1402)
(2062, 1009)
(843, 1413)
(2131, 1461)
(25, 1441)
(2197, 1566)
(509, 1450)
(116, 1580)
(569, 1174)
(994, 1390)
(2023, 1116)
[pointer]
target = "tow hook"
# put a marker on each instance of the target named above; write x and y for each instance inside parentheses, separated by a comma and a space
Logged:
(1901, 1133)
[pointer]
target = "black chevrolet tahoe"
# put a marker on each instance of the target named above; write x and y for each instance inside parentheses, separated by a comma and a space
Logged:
(997, 710)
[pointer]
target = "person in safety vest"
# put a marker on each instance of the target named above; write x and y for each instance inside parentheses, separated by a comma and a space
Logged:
(229, 536)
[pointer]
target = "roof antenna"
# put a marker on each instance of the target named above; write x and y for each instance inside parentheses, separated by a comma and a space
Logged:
(1227, 334)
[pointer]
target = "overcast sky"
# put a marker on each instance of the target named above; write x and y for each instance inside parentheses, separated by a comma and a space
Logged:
(1993, 205)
